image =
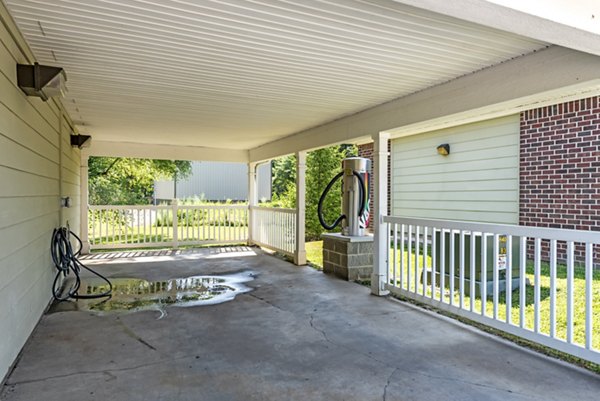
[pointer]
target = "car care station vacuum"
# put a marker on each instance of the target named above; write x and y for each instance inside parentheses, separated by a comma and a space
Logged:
(349, 254)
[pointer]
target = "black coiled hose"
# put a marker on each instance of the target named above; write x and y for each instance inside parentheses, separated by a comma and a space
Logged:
(66, 261)
(343, 216)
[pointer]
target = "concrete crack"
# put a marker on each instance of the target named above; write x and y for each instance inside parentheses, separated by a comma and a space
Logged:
(387, 383)
(106, 372)
(312, 318)
(264, 300)
(454, 379)
(324, 334)
(133, 335)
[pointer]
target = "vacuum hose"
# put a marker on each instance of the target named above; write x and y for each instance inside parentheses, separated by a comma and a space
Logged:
(342, 217)
(65, 261)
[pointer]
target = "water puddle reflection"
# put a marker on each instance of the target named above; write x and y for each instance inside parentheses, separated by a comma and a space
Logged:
(132, 294)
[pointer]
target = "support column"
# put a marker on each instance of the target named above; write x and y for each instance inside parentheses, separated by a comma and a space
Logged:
(300, 251)
(380, 173)
(83, 204)
(252, 200)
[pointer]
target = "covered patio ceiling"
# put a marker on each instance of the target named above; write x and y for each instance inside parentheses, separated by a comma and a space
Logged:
(238, 75)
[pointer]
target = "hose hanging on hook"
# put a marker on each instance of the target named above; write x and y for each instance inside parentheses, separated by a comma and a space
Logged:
(66, 261)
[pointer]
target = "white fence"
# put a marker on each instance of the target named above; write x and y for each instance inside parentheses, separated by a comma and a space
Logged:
(535, 283)
(274, 228)
(113, 227)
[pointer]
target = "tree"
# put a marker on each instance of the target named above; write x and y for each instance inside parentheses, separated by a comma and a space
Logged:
(284, 175)
(122, 181)
(321, 166)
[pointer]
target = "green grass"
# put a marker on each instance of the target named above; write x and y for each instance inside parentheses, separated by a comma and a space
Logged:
(314, 254)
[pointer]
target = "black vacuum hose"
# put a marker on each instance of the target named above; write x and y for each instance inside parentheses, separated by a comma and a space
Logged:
(66, 261)
(342, 217)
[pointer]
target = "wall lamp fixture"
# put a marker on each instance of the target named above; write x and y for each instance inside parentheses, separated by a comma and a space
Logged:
(443, 149)
(81, 141)
(41, 80)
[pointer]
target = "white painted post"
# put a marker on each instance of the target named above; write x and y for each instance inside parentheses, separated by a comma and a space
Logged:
(380, 228)
(252, 200)
(174, 205)
(83, 204)
(300, 250)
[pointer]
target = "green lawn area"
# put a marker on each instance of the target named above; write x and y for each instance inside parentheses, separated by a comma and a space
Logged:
(315, 257)
(314, 254)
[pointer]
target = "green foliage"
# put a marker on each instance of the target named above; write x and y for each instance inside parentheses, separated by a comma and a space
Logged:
(124, 181)
(196, 217)
(284, 175)
(321, 166)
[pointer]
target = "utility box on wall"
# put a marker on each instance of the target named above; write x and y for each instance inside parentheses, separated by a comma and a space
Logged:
(489, 258)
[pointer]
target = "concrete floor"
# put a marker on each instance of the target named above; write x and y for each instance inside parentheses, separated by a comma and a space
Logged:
(299, 335)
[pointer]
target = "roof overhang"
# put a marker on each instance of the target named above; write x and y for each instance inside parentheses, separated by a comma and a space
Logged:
(256, 80)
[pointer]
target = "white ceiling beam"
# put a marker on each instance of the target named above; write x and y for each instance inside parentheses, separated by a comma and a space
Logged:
(530, 21)
(544, 77)
(164, 152)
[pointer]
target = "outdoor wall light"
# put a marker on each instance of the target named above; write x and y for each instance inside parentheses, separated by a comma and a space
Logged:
(81, 141)
(41, 80)
(443, 149)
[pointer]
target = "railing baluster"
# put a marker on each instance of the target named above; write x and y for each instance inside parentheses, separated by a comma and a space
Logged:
(391, 257)
(106, 218)
(424, 269)
(553, 257)
(442, 264)
(495, 274)
(409, 252)
(401, 270)
(126, 223)
(395, 255)
(522, 279)
(537, 284)
(589, 306)
(483, 281)
(416, 278)
(570, 274)
(402, 256)
(203, 220)
(99, 223)
(461, 270)
(508, 277)
(472, 272)
(452, 267)
(433, 260)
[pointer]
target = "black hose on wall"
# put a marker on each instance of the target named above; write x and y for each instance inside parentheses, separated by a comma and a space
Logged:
(66, 261)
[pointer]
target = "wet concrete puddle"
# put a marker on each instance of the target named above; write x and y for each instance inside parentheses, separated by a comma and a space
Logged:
(133, 294)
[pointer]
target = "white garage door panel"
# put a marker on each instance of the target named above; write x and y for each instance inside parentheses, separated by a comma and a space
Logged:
(478, 181)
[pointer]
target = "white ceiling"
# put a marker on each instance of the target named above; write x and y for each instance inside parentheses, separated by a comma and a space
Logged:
(240, 73)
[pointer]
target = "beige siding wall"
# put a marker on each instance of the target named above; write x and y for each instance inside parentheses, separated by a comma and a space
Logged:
(478, 181)
(34, 155)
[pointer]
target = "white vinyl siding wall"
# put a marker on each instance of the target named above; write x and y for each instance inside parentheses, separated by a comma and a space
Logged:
(478, 181)
(34, 154)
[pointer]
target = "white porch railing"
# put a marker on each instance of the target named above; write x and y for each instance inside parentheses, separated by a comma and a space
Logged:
(112, 227)
(433, 262)
(274, 228)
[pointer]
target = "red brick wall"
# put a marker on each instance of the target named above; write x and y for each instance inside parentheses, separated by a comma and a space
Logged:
(366, 151)
(560, 168)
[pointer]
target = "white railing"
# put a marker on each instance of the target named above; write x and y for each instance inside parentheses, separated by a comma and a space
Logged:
(274, 228)
(150, 226)
(536, 283)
